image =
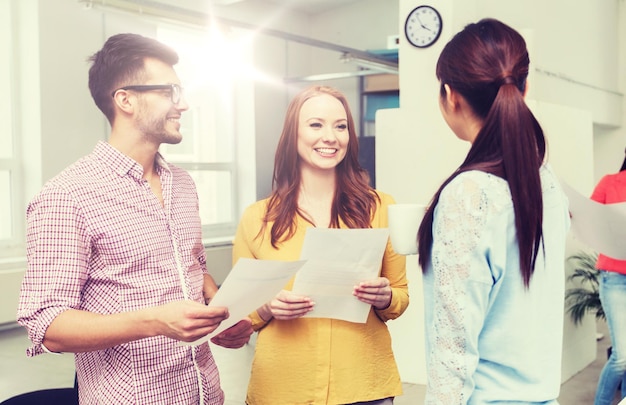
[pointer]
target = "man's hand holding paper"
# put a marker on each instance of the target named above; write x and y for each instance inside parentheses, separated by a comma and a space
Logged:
(249, 285)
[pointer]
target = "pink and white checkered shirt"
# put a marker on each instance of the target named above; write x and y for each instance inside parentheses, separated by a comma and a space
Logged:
(99, 240)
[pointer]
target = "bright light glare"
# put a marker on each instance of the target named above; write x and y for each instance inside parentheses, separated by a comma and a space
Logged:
(211, 58)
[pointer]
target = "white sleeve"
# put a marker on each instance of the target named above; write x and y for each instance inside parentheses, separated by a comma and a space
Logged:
(461, 284)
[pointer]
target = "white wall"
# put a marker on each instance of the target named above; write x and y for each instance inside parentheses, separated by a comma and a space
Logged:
(609, 141)
(70, 121)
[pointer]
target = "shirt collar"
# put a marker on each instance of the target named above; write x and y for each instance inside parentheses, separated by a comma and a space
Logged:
(121, 164)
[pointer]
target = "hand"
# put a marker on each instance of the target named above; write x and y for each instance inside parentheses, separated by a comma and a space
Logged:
(235, 336)
(286, 305)
(375, 292)
(188, 320)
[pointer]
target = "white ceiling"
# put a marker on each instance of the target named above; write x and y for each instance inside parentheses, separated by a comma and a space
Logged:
(306, 6)
(370, 63)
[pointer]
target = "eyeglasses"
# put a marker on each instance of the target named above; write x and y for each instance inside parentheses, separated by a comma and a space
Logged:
(175, 90)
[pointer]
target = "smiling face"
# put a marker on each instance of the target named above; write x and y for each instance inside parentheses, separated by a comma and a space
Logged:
(322, 132)
(158, 118)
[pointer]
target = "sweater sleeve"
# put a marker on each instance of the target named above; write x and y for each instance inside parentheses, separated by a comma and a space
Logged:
(599, 192)
(393, 268)
(460, 290)
(246, 242)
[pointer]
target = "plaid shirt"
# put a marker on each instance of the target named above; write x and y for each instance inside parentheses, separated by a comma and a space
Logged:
(99, 240)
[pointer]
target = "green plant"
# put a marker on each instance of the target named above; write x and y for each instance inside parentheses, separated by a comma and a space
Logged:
(586, 297)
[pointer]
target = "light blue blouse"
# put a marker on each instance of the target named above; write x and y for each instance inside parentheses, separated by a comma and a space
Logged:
(489, 339)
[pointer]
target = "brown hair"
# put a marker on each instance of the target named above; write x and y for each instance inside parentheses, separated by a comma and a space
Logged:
(487, 63)
(119, 63)
(354, 199)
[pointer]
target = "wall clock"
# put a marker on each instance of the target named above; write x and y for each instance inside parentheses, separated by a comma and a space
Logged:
(423, 26)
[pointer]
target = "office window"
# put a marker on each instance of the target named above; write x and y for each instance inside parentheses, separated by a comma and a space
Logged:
(10, 230)
(5, 206)
(210, 67)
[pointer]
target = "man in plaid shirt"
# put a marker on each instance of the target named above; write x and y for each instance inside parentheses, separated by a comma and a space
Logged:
(116, 267)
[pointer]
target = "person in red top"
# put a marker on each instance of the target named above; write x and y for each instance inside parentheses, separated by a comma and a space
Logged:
(609, 190)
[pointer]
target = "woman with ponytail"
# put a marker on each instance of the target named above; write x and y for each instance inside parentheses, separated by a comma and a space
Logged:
(492, 242)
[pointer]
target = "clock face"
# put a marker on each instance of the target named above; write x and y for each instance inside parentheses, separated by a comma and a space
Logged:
(423, 26)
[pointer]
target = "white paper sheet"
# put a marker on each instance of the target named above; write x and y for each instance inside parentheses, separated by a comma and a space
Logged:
(336, 261)
(601, 226)
(250, 284)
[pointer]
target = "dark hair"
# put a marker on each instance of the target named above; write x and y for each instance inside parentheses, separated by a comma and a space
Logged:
(119, 63)
(623, 163)
(354, 201)
(487, 63)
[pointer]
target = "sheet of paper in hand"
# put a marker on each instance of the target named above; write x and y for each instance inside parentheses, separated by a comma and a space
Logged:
(336, 261)
(250, 284)
(601, 226)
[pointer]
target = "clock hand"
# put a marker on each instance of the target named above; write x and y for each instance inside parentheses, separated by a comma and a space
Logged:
(422, 24)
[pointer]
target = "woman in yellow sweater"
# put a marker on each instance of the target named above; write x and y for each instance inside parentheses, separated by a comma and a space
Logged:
(318, 182)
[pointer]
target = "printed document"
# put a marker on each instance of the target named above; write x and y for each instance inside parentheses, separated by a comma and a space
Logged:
(336, 261)
(600, 226)
(250, 284)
